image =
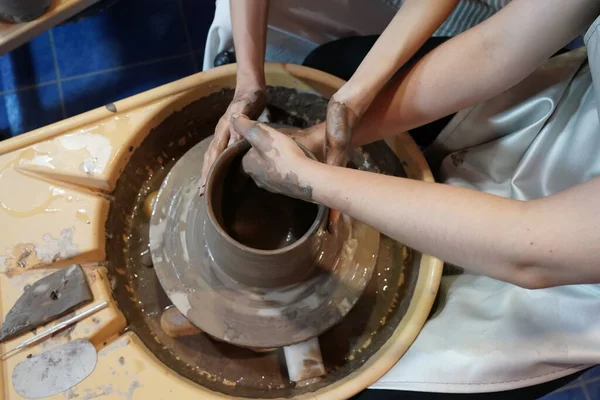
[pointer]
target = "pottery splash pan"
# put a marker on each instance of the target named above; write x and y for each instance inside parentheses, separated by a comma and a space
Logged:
(82, 186)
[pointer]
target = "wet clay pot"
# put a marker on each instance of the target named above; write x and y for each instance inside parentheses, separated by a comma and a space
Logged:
(19, 11)
(259, 238)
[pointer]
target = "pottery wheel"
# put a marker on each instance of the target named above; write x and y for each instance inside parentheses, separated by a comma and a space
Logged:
(243, 315)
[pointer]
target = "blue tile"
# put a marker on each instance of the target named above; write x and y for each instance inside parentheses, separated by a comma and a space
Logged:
(29, 65)
(199, 15)
(130, 32)
(575, 393)
(592, 373)
(29, 109)
(89, 92)
(593, 389)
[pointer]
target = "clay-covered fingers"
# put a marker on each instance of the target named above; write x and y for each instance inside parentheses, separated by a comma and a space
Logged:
(253, 165)
(338, 133)
(216, 147)
(233, 137)
(256, 133)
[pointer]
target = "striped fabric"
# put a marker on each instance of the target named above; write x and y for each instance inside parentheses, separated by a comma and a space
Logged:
(467, 14)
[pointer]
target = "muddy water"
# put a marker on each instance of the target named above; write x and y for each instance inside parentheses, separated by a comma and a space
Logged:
(220, 366)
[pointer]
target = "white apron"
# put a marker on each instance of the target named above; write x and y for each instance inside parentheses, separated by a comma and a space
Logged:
(538, 138)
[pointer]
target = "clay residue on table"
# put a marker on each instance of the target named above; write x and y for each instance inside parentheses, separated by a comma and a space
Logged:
(216, 365)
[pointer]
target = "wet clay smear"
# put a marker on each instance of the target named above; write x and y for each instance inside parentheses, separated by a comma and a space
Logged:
(219, 366)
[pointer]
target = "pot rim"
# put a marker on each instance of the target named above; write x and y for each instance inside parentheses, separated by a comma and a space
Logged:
(245, 146)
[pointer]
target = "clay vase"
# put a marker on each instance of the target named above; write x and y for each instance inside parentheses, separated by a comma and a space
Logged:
(256, 237)
(19, 11)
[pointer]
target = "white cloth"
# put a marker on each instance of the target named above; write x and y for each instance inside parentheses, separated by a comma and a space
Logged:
(536, 139)
(296, 27)
(220, 35)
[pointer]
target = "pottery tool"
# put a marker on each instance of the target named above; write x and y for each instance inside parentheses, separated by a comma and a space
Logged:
(56, 370)
(46, 300)
(56, 328)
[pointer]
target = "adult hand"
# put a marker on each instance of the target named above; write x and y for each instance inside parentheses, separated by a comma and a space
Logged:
(275, 161)
(248, 101)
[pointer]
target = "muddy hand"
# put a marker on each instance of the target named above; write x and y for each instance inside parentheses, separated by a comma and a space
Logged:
(338, 136)
(249, 102)
(275, 161)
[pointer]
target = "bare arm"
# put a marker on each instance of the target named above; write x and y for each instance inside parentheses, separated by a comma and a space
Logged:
(547, 242)
(412, 26)
(539, 243)
(471, 67)
(533, 244)
(249, 22)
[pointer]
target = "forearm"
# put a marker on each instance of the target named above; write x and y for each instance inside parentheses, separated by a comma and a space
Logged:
(412, 26)
(532, 244)
(249, 22)
(476, 65)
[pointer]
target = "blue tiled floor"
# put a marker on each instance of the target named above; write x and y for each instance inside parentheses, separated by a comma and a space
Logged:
(129, 48)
